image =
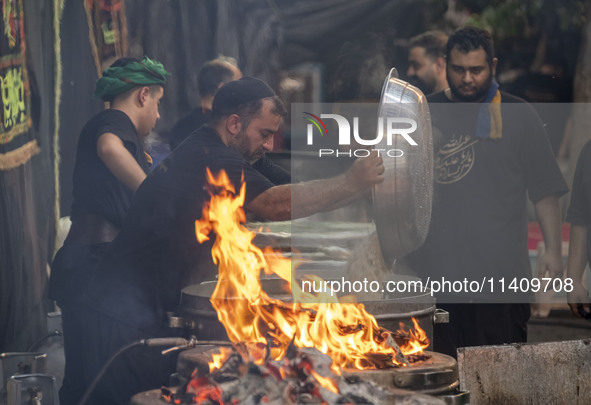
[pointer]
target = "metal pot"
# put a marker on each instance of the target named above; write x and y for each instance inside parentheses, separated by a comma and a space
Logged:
(198, 315)
(402, 202)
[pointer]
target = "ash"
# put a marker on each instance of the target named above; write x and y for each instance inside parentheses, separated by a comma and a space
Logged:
(292, 380)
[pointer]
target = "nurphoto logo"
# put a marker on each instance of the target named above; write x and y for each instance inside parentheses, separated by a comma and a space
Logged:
(389, 129)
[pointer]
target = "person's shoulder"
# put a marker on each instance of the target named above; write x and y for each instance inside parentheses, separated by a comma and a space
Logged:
(186, 125)
(111, 121)
(203, 140)
(510, 98)
(438, 97)
(206, 134)
(110, 118)
(113, 114)
(521, 110)
(187, 120)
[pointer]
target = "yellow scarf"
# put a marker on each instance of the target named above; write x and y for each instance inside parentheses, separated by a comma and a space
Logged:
(490, 121)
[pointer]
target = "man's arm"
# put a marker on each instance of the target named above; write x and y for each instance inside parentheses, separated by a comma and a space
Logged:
(577, 261)
(120, 162)
(275, 173)
(311, 197)
(548, 213)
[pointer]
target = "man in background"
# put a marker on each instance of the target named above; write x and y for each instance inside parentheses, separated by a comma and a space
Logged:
(426, 62)
(579, 248)
(213, 75)
(491, 152)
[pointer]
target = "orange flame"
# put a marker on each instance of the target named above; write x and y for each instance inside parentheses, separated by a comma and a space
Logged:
(219, 358)
(326, 382)
(342, 329)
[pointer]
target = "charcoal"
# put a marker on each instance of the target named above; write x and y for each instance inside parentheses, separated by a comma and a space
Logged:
(250, 389)
(352, 379)
(414, 358)
(391, 342)
(292, 351)
(365, 392)
(319, 361)
(306, 398)
(254, 369)
(379, 361)
(201, 370)
(223, 378)
(241, 349)
(230, 369)
(353, 399)
(270, 369)
(350, 329)
(289, 381)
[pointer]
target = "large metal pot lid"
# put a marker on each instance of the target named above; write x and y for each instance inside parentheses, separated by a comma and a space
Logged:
(402, 202)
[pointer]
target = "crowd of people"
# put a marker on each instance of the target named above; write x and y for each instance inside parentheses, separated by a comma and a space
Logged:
(132, 246)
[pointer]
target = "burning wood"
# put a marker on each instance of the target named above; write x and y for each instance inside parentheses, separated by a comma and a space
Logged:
(346, 334)
(303, 378)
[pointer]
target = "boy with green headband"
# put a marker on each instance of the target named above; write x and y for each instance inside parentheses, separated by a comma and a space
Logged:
(110, 165)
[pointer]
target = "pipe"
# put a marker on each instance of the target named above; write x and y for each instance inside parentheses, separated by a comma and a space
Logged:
(175, 342)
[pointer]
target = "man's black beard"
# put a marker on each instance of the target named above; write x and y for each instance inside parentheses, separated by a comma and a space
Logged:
(424, 87)
(479, 95)
(241, 145)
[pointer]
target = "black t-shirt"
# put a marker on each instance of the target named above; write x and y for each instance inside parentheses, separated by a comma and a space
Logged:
(579, 211)
(95, 189)
(186, 125)
(276, 174)
(156, 253)
(479, 217)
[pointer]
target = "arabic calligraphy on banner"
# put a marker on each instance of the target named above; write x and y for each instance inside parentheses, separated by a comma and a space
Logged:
(16, 145)
(108, 31)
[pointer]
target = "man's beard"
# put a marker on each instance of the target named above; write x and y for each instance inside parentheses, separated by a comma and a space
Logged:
(426, 86)
(479, 93)
(241, 145)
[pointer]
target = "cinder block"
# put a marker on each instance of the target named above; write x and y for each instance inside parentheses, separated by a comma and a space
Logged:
(541, 373)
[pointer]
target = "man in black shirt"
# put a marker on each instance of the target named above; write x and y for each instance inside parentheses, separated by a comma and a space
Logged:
(110, 165)
(156, 253)
(213, 75)
(579, 248)
(426, 62)
(490, 149)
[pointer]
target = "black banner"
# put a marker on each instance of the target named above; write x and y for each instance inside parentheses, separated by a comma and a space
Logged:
(16, 144)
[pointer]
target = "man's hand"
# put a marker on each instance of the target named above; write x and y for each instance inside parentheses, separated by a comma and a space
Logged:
(366, 171)
(291, 201)
(551, 264)
(578, 300)
(548, 213)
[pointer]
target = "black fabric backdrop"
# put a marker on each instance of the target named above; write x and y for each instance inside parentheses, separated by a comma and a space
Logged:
(27, 198)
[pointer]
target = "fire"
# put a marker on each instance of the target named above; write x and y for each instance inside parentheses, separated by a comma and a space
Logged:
(417, 336)
(342, 329)
(326, 382)
(219, 358)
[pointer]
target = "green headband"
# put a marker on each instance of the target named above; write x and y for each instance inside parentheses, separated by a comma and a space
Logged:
(119, 79)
